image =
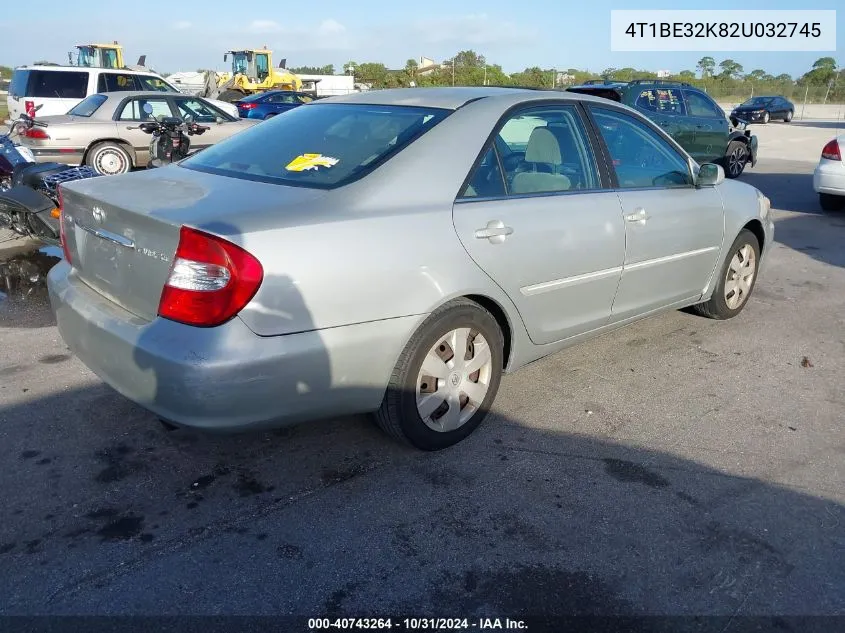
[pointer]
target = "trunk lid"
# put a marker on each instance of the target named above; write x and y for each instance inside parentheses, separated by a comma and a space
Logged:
(124, 230)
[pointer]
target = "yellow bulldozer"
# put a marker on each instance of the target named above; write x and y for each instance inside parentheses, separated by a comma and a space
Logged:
(102, 56)
(253, 71)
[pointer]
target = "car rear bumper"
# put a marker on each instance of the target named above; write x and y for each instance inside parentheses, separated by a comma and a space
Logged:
(57, 155)
(829, 177)
(227, 377)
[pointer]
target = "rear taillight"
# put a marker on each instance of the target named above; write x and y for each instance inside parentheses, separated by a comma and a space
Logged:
(36, 132)
(29, 106)
(210, 281)
(247, 106)
(831, 151)
(62, 233)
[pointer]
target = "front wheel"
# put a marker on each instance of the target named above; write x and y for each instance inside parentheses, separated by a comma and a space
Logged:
(831, 203)
(766, 117)
(735, 159)
(788, 117)
(446, 377)
(109, 159)
(736, 279)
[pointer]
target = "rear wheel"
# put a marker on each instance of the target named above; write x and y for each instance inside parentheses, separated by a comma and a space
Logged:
(831, 203)
(446, 378)
(735, 159)
(736, 279)
(270, 116)
(109, 159)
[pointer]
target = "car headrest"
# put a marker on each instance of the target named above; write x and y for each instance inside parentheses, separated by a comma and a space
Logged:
(542, 147)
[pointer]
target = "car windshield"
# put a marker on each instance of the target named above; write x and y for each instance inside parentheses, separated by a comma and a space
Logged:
(758, 101)
(322, 145)
(88, 106)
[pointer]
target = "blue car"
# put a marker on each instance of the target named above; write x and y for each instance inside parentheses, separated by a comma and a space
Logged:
(268, 104)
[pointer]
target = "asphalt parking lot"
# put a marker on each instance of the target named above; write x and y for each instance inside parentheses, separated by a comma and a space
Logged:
(678, 466)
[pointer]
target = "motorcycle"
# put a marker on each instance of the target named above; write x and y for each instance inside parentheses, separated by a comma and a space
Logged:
(170, 139)
(29, 191)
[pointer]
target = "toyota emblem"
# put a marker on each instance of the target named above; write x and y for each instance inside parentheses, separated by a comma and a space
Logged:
(99, 215)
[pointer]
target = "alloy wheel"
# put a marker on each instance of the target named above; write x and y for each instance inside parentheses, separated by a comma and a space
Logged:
(736, 161)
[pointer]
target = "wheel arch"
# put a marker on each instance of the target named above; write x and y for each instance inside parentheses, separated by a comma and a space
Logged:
(498, 312)
(117, 141)
(756, 227)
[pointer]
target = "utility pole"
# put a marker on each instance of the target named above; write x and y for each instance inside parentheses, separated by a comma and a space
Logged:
(454, 59)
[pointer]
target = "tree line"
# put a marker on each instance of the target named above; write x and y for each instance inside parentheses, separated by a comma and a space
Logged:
(727, 78)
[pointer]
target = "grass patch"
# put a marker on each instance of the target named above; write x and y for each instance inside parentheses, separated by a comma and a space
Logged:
(4, 111)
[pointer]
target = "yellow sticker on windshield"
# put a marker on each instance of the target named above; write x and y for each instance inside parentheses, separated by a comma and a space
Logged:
(304, 162)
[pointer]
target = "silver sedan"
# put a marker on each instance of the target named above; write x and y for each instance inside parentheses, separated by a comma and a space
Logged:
(393, 252)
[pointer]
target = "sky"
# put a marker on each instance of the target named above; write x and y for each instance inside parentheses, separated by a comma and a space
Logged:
(192, 34)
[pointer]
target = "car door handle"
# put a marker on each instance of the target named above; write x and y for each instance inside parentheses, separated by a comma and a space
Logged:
(495, 231)
(638, 217)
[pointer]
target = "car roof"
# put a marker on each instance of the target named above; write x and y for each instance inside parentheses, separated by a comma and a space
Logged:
(452, 98)
(86, 69)
(122, 94)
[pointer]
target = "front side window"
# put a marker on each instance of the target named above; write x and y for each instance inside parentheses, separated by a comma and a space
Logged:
(641, 157)
(88, 106)
(200, 111)
(283, 97)
(699, 105)
(319, 146)
(134, 110)
(58, 84)
(662, 100)
(546, 150)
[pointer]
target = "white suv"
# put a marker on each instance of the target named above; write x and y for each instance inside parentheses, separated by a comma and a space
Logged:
(59, 88)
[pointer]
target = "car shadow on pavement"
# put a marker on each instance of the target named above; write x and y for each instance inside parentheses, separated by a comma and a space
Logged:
(109, 513)
(834, 126)
(787, 191)
(112, 515)
(819, 236)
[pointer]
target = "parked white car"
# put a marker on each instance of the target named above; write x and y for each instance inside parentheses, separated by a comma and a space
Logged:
(829, 176)
(57, 89)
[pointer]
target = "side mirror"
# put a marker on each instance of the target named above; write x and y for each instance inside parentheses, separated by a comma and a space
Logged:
(220, 119)
(710, 175)
(147, 108)
(189, 118)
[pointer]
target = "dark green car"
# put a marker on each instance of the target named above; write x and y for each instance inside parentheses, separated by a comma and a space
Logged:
(687, 114)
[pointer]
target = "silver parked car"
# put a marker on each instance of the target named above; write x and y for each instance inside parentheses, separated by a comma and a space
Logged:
(393, 252)
(103, 130)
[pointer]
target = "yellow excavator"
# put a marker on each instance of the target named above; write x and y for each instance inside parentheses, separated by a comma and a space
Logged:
(253, 71)
(102, 56)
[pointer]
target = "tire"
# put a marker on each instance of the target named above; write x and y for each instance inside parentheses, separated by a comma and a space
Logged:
(109, 159)
(831, 203)
(230, 96)
(766, 117)
(400, 415)
(735, 159)
(788, 116)
(721, 304)
(270, 116)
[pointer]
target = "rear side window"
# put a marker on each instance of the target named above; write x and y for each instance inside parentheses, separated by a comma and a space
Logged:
(662, 100)
(88, 106)
(57, 84)
(320, 146)
(19, 81)
(116, 82)
(153, 83)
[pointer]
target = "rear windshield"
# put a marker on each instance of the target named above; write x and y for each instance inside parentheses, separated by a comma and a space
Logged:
(88, 106)
(49, 84)
(322, 145)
